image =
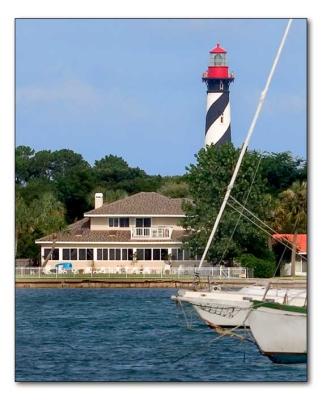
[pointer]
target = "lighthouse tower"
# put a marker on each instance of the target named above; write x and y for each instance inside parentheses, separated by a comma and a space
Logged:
(217, 79)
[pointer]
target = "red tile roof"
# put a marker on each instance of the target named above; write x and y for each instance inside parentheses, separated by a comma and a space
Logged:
(301, 240)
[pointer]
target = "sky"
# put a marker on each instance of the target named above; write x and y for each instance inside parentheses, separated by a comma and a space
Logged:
(132, 87)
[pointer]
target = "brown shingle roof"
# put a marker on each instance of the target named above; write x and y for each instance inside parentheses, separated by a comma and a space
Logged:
(143, 203)
(86, 235)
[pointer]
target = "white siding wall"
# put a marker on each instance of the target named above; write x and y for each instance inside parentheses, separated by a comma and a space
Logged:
(101, 223)
(81, 264)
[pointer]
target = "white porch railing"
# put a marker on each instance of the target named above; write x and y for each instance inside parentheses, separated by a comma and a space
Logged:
(154, 232)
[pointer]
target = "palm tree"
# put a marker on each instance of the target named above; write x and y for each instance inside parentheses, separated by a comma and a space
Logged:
(290, 214)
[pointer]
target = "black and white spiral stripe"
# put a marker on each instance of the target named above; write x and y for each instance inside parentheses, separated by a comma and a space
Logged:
(218, 132)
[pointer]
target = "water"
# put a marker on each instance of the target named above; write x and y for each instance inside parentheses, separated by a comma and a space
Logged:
(128, 335)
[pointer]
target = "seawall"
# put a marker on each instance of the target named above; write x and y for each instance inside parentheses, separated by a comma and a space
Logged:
(152, 283)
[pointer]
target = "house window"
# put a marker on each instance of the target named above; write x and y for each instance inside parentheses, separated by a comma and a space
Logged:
(102, 254)
(156, 254)
(117, 254)
(113, 222)
(112, 254)
(73, 254)
(82, 254)
(89, 254)
(46, 252)
(180, 254)
(164, 254)
(140, 254)
(124, 254)
(69, 254)
(124, 222)
(147, 254)
(66, 254)
(130, 254)
(143, 222)
(54, 255)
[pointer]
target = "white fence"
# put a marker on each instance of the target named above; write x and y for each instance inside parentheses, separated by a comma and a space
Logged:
(180, 271)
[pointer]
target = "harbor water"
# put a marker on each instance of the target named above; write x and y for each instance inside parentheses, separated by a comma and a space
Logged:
(129, 335)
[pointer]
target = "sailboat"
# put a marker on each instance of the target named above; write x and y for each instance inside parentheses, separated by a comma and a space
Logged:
(231, 308)
(280, 331)
(224, 308)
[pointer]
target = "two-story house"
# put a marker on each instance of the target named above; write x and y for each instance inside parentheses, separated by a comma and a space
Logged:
(139, 231)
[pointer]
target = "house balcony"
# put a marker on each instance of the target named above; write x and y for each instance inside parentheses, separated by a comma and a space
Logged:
(154, 232)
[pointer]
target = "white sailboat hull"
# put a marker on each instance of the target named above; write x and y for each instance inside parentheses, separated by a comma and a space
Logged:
(231, 308)
(224, 314)
(280, 334)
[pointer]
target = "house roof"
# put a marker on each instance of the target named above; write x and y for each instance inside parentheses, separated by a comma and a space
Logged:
(80, 232)
(301, 240)
(143, 203)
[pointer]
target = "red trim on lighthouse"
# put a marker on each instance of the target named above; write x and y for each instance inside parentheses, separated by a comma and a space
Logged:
(218, 49)
(217, 72)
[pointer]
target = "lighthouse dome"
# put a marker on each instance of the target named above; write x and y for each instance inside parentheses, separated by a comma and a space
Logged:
(218, 49)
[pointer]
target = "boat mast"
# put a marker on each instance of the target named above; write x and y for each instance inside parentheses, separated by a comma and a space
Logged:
(245, 144)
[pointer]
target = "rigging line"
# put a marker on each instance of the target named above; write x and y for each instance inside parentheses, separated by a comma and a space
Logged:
(282, 241)
(264, 230)
(267, 226)
(280, 261)
(245, 199)
(246, 142)
(257, 225)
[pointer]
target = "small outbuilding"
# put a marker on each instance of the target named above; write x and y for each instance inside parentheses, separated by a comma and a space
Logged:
(299, 243)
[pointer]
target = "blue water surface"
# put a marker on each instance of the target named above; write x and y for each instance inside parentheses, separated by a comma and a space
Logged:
(132, 335)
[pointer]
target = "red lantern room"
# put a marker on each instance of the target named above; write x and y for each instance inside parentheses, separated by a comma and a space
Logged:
(217, 67)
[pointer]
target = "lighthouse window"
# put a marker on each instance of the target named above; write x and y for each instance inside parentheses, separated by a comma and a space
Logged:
(219, 60)
(222, 118)
(221, 86)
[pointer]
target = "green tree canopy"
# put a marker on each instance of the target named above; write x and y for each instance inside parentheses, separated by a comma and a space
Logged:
(115, 173)
(208, 180)
(45, 215)
(281, 170)
(24, 154)
(174, 186)
(290, 213)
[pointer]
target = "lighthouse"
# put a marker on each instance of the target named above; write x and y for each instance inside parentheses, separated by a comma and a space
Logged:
(218, 79)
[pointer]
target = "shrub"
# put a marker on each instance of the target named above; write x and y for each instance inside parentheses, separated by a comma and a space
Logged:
(263, 268)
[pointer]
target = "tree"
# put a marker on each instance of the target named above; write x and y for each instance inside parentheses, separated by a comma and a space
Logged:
(108, 195)
(44, 215)
(73, 189)
(208, 180)
(114, 172)
(24, 155)
(290, 213)
(23, 220)
(281, 170)
(174, 188)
